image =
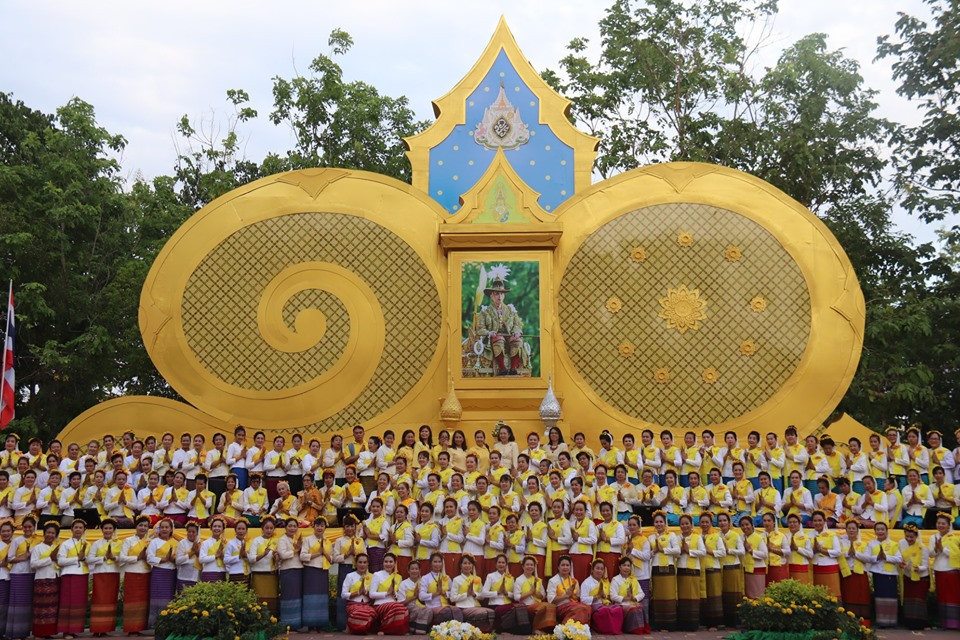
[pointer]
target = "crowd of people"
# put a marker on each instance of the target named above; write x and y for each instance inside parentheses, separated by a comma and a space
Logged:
(628, 537)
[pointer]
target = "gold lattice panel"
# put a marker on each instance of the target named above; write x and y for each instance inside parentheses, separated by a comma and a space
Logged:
(220, 307)
(743, 334)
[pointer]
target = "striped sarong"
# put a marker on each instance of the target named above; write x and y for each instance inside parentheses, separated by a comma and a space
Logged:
(665, 598)
(163, 585)
(688, 599)
(828, 576)
(212, 576)
(576, 611)
(316, 598)
(291, 598)
(635, 620)
(136, 601)
(46, 600)
(103, 603)
(241, 578)
(754, 584)
(645, 587)
(74, 597)
(4, 602)
(266, 585)
(948, 598)
(393, 619)
(855, 591)
(885, 599)
(607, 619)
(482, 618)
(20, 606)
(733, 585)
(361, 617)
(711, 606)
(915, 614)
(513, 618)
(421, 617)
(543, 616)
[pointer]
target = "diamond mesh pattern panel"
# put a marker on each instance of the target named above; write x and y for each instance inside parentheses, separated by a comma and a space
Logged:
(602, 268)
(221, 297)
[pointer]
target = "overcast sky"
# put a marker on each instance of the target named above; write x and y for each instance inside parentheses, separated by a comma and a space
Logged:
(145, 64)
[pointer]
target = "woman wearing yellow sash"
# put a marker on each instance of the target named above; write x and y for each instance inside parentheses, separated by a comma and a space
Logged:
(361, 616)
(161, 554)
(231, 502)
(605, 617)
(71, 557)
(426, 537)
(174, 502)
(755, 556)
(563, 591)
(316, 554)
(420, 617)
(400, 539)
(826, 551)
(711, 601)
(779, 557)
(692, 552)
(664, 549)
(46, 585)
(884, 556)
(512, 617)
(104, 561)
(799, 546)
(464, 593)
(915, 565)
(235, 555)
(345, 550)
(212, 551)
(255, 504)
(583, 533)
(611, 534)
(625, 592)
(528, 591)
(854, 583)
(537, 539)
(732, 589)
(944, 547)
(6, 542)
(262, 557)
(435, 591)
(387, 599)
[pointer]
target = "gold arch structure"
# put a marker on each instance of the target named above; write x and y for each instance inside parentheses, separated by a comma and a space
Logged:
(681, 295)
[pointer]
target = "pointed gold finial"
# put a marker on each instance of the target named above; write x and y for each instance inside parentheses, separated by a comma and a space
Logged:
(550, 411)
(451, 410)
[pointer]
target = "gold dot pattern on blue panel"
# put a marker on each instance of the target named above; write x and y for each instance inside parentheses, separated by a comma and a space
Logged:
(603, 266)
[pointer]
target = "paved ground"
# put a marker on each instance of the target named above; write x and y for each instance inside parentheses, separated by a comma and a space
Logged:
(884, 634)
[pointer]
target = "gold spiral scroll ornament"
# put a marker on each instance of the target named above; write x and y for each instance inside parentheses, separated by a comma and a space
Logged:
(308, 300)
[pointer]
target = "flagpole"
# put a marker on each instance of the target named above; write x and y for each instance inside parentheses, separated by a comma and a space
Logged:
(6, 336)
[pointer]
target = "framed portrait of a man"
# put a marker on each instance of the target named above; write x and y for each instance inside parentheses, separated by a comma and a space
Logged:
(501, 301)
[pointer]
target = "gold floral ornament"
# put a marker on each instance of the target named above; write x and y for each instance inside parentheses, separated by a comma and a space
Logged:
(685, 239)
(710, 375)
(748, 347)
(758, 304)
(626, 349)
(661, 375)
(639, 254)
(683, 308)
(614, 304)
(733, 254)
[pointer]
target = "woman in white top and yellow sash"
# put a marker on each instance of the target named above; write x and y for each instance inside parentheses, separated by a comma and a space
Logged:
(74, 582)
(464, 593)
(104, 559)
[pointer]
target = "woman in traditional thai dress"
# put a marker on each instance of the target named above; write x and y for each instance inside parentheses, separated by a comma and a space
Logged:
(6, 547)
(400, 538)
(464, 591)
(452, 531)
(230, 505)
(854, 582)
(420, 617)
(514, 545)
(74, 582)
(426, 537)
(605, 617)
(563, 591)
(161, 556)
(136, 577)
(944, 552)
(316, 554)
(375, 533)
(711, 601)
(584, 535)
(387, 599)
(732, 588)
(558, 536)
(625, 592)
(778, 560)
(46, 584)
(434, 592)
(212, 552)
(611, 534)
(255, 501)
(104, 560)
(188, 558)
(637, 548)
(361, 616)
(692, 552)
(537, 540)
(290, 572)
(173, 504)
(20, 608)
(512, 617)
(799, 547)
(664, 550)
(235, 554)
(528, 590)
(262, 556)
(345, 550)
(755, 557)
(826, 554)
(915, 567)
(884, 557)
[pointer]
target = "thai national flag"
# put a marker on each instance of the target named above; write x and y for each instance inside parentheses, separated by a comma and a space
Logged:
(7, 381)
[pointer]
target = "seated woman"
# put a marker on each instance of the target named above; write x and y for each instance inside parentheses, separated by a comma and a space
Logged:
(434, 590)
(498, 593)
(871, 508)
(528, 590)
(388, 600)
(797, 500)
(464, 591)
(420, 616)
(605, 617)
(625, 592)
(564, 592)
(361, 616)
(831, 504)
